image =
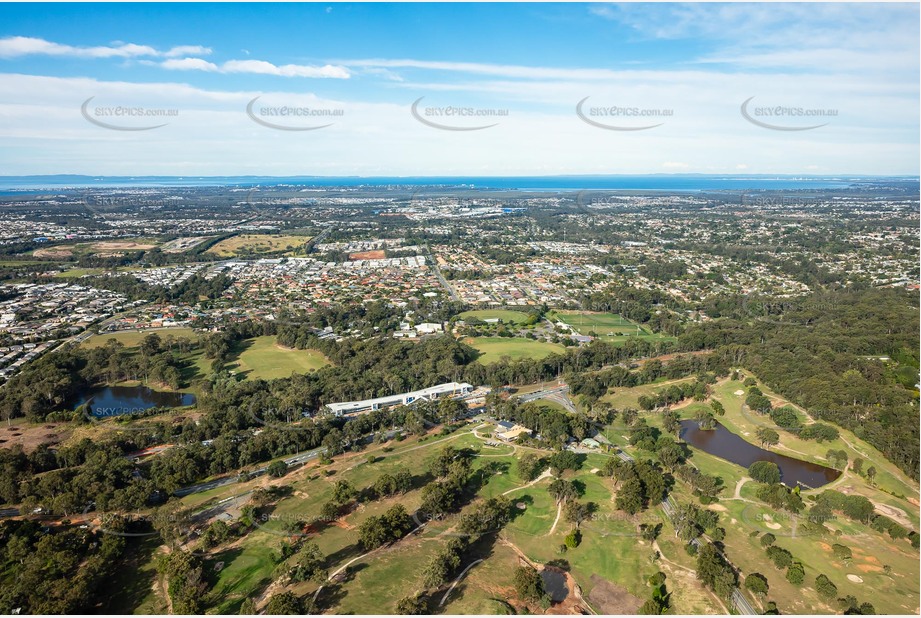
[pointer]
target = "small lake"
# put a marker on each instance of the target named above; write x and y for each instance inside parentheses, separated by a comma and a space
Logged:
(120, 400)
(555, 584)
(724, 444)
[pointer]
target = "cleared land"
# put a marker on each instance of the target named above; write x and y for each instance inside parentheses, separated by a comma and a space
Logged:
(492, 349)
(609, 326)
(376, 254)
(507, 316)
(263, 358)
(255, 244)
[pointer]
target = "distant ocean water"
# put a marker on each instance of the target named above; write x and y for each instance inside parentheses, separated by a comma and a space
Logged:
(652, 182)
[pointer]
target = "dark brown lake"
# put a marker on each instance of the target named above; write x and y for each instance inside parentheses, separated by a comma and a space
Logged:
(726, 445)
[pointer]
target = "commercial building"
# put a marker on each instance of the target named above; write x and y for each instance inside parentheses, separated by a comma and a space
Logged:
(430, 393)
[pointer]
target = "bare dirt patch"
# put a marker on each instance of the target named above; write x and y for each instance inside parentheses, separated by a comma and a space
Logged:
(610, 598)
(31, 437)
(57, 252)
(377, 254)
(108, 245)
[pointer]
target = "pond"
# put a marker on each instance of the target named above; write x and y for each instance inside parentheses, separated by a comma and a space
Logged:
(724, 444)
(555, 584)
(120, 400)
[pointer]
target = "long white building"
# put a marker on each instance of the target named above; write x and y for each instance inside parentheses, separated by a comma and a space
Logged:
(367, 405)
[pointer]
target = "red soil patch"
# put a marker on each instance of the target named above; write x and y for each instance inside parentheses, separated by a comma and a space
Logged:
(377, 254)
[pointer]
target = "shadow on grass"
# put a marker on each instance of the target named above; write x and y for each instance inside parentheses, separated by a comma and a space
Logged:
(131, 581)
(344, 555)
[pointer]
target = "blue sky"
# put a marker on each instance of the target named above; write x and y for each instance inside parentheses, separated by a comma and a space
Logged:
(496, 88)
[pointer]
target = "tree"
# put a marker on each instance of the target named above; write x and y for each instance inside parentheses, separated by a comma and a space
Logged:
(796, 573)
(842, 552)
(756, 583)
(333, 442)
(378, 530)
(650, 532)
(344, 492)
(573, 539)
(564, 460)
(277, 469)
(779, 556)
(437, 499)
(439, 567)
(671, 456)
(330, 511)
(857, 466)
(528, 583)
(871, 474)
(562, 491)
(309, 565)
(765, 472)
(577, 512)
(671, 422)
(767, 436)
(714, 571)
(284, 604)
(415, 605)
(837, 458)
(530, 466)
(631, 497)
(767, 539)
(651, 607)
(825, 587)
(718, 408)
(705, 420)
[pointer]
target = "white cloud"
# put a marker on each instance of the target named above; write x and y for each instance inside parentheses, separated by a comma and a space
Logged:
(187, 50)
(189, 64)
(494, 70)
(258, 67)
(285, 70)
(17, 46)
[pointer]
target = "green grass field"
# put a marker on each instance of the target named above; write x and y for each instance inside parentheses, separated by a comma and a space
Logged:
(608, 326)
(507, 316)
(492, 349)
(263, 358)
(254, 244)
(605, 324)
(133, 338)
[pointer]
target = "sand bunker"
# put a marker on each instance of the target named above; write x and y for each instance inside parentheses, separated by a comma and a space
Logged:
(857, 579)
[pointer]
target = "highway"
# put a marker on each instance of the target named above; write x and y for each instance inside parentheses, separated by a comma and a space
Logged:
(559, 394)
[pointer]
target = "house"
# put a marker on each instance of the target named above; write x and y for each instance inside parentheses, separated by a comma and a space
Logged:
(429, 328)
(508, 432)
(590, 443)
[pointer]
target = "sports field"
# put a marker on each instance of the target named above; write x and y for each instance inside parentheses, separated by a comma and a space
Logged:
(507, 316)
(263, 358)
(494, 348)
(605, 324)
(255, 244)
